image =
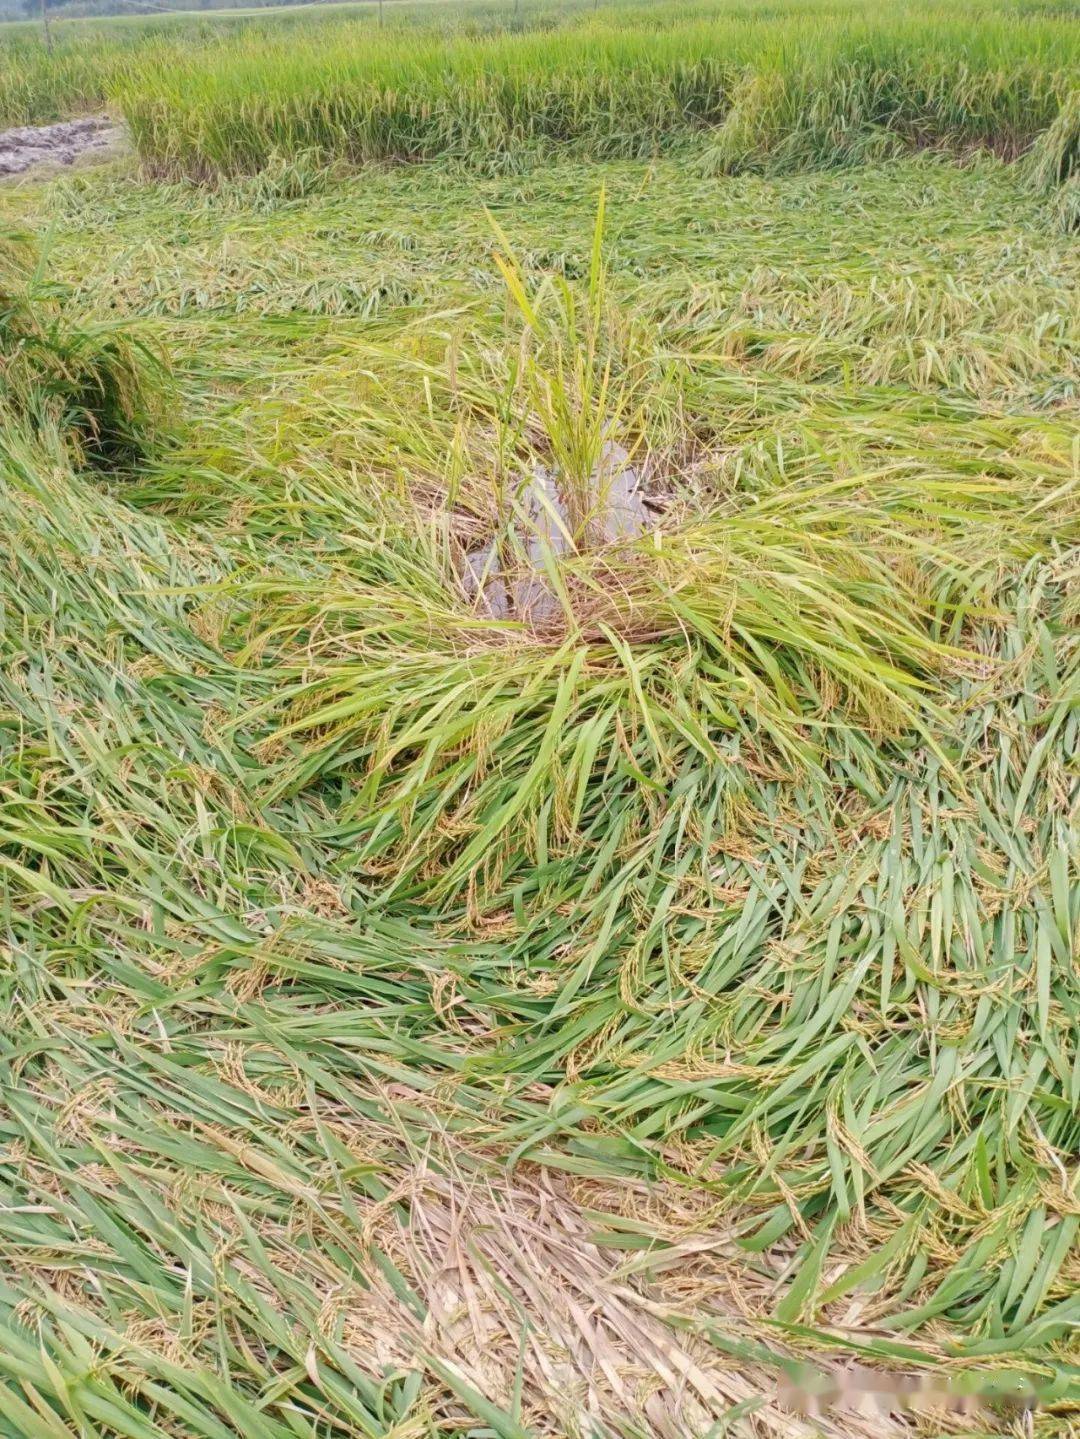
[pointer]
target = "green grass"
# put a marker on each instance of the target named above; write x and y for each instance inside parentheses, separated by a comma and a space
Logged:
(420, 1024)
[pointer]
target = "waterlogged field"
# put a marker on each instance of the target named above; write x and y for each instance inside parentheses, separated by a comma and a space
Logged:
(649, 1012)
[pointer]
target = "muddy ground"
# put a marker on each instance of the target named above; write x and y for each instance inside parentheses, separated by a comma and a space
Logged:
(29, 146)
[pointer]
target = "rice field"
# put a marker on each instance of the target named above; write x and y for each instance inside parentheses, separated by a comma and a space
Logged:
(642, 1006)
(91, 59)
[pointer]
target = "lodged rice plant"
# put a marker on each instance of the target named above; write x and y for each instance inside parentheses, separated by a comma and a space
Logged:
(808, 1032)
(649, 1014)
(847, 103)
(778, 618)
(93, 381)
(1054, 163)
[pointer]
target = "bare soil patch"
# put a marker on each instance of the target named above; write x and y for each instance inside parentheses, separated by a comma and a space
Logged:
(28, 146)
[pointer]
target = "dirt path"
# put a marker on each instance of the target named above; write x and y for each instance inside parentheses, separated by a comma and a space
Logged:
(61, 144)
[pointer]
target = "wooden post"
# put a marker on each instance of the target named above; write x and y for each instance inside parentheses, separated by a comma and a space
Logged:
(45, 26)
